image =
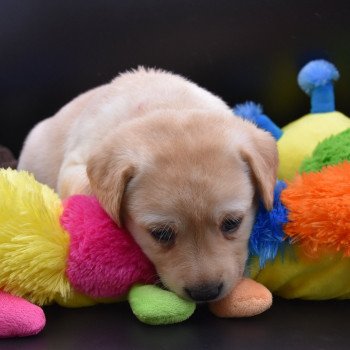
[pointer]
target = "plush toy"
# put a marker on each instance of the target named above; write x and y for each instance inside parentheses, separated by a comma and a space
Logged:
(301, 137)
(301, 249)
(310, 257)
(297, 140)
(73, 254)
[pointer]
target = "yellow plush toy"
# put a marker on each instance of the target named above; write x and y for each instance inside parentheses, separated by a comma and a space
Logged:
(300, 137)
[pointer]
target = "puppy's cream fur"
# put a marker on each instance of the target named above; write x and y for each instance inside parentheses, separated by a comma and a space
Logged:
(157, 150)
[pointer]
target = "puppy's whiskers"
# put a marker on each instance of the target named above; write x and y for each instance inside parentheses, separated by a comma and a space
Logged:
(154, 279)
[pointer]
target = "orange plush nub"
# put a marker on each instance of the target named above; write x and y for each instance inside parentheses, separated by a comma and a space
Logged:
(319, 210)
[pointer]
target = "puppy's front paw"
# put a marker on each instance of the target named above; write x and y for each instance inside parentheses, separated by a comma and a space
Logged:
(249, 298)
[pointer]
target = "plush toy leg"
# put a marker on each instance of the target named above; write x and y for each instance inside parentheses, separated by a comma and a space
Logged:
(156, 306)
(249, 298)
(19, 317)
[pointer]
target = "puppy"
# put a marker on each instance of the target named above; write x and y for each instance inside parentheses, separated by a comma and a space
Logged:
(169, 161)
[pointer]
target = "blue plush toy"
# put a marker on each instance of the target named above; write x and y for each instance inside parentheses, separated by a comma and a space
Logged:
(254, 113)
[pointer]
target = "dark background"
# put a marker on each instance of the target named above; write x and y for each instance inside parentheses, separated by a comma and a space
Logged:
(296, 325)
(239, 49)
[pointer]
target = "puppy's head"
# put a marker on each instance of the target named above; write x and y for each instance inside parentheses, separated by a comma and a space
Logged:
(185, 187)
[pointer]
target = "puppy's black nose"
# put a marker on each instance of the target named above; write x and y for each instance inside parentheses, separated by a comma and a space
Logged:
(204, 292)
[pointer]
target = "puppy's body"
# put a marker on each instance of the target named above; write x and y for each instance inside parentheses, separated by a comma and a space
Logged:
(58, 148)
(164, 157)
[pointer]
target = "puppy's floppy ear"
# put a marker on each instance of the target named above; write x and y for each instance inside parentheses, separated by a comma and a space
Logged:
(262, 156)
(109, 175)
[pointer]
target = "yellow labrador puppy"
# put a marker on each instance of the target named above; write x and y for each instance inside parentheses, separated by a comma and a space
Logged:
(169, 161)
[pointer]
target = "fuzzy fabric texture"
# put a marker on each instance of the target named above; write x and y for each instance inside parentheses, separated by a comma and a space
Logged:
(331, 151)
(156, 306)
(319, 210)
(316, 79)
(316, 265)
(301, 137)
(19, 317)
(33, 245)
(298, 276)
(254, 113)
(315, 74)
(248, 299)
(267, 235)
(104, 260)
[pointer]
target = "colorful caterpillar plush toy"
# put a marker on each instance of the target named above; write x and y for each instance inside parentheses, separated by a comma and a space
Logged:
(301, 249)
(73, 254)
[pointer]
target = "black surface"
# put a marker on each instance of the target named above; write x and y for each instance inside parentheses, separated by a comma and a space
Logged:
(239, 49)
(288, 325)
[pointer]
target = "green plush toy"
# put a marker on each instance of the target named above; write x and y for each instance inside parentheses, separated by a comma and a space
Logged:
(155, 306)
(332, 151)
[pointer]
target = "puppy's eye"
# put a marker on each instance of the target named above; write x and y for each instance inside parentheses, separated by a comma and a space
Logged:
(230, 225)
(164, 235)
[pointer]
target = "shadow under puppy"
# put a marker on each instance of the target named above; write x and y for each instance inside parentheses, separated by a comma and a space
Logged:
(169, 161)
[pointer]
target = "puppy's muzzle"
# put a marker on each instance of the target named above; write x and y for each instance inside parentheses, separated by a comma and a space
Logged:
(204, 292)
